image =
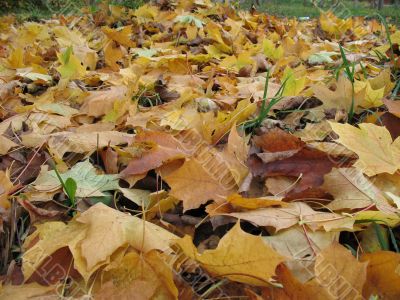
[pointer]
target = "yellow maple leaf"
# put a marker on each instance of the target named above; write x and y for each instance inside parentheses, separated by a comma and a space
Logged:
(239, 256)
(71, 67)
(341, 97)
(377, 152)
(93, 237)
(334, 25)
(294, 84)
(236, 63)
(271, 51)
(138, 277)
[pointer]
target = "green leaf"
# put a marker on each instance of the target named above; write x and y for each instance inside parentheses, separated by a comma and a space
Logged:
(321, 57)
(66, 55)
(89, 183)
(187, 19)
(70, 189)
(146, 52)
(107, 199)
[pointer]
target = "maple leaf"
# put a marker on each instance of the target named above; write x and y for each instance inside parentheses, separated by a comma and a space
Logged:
(99, 103)
(383, 279)
(217, 128)
(6, 145)
(341, 97)
(86, 142)
(92, 237)
(71, 67)
(287, 155)
(163, 148)
(377, 152)
(239, 256)
(138, 277)
(254, 203)
(295, 213)
(301, 246)
(89, 184)
(26, 291)
(201, 179)
(351, 190)
(327, 284)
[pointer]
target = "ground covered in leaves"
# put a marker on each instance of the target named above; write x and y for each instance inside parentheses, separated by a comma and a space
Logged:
(188, 150)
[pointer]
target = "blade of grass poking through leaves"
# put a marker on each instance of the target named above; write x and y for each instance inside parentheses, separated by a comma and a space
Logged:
(393, 240)
(395, 90)
(69, 187)
(385, 24)
(350, 74)
(265, 109)
(264, 100)
(378, 231)
(391, 234)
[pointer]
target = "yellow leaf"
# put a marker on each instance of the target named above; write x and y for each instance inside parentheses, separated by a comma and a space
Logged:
(215, 130)
(341, 97)
(27, 291)
(205, 177)
(254, 203)
(16, 59)
(112, 54)
(383, 278)
(93, 237)
(5, 187)
(239, 256)
(373, 98)
(146, 11)
(334, 25)
(294, 85)
(271, 51)
(6, 145)
(121, 35)
(138, 277)
(214, 32)
(377, 152)
(71, 67)
(236, 63)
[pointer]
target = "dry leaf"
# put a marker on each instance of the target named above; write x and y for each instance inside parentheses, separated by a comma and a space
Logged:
(239, 256)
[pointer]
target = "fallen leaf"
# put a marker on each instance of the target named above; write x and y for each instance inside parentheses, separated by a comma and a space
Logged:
(85, 237)
(89, 183)
(295, 213)
(383, 279)
(138, 277)
(376, 150)
(239, 256)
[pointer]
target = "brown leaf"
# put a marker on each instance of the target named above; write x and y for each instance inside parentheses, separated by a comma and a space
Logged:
(338, 275)
(308, 164)
(163, 148)
(110, 160)
(36, 213)
(383, 278)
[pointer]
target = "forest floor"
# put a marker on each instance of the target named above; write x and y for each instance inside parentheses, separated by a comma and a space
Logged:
(188, 149)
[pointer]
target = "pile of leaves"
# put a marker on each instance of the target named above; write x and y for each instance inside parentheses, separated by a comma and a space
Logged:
(189, 150)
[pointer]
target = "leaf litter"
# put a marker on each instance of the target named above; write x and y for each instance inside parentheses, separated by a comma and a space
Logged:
(188, 150)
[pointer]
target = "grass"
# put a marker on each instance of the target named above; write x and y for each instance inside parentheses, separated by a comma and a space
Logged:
(296, 8)
(39, 9)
